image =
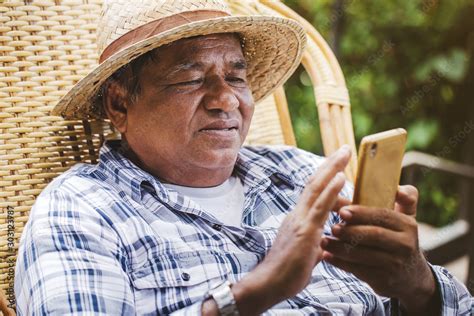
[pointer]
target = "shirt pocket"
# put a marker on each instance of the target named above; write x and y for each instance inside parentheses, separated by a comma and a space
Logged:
(201, 269)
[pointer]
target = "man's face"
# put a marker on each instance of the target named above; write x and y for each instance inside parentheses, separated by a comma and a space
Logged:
(194, 108)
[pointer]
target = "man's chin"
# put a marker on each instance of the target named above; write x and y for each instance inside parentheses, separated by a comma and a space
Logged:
(221, 157)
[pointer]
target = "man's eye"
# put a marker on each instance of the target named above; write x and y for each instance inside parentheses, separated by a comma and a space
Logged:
(237, 81)
(190, 83)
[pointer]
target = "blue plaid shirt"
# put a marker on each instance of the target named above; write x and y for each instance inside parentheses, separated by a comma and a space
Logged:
(111, 239)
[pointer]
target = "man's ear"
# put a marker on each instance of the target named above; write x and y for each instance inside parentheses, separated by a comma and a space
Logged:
(116, 103)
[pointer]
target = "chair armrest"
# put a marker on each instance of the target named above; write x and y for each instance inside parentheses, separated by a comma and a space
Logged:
(418, 159)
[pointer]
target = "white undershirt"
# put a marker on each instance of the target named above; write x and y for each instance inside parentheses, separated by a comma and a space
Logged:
(225, 201)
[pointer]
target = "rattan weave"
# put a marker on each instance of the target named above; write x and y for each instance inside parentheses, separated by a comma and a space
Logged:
(47, 46)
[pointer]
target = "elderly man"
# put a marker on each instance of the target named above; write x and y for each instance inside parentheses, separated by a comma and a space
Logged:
(177, 217)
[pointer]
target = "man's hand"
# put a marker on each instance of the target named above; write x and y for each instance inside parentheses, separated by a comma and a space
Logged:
(380, 247)
(287, 267)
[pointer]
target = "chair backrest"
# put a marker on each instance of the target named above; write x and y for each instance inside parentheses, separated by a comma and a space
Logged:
(46, 46)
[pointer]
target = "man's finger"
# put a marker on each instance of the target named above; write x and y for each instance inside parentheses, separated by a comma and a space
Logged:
(370, 236)
(406, 200)
(340, 203)
(359, 254)
(326, 201)
(333, 164)
(362, 272)
(364, 215)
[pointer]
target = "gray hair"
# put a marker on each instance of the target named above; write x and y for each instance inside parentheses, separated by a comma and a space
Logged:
(127, 76)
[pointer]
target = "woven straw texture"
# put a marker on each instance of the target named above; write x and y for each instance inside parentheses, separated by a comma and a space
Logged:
(47, 46)
(137, 17)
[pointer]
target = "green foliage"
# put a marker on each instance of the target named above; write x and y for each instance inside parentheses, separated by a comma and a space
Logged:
(306, 114)
(422, 133)
(408, 63)
(442, 196)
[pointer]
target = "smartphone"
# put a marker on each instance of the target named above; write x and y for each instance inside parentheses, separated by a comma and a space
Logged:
(379, 168)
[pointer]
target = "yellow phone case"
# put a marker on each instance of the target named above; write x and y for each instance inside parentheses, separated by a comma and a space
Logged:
(379, 168)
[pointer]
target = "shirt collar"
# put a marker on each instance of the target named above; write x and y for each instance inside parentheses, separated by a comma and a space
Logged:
(254, 169)
(125, 174)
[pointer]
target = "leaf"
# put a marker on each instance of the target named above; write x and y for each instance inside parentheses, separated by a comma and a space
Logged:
(422, 133)
(452, 66)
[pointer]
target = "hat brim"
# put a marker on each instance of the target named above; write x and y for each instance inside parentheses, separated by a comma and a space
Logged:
(273, 48)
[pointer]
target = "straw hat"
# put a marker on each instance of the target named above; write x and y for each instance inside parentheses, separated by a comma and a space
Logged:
(129, 28)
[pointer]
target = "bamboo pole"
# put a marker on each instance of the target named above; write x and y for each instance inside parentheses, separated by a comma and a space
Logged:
(335, 122)
(284, 115)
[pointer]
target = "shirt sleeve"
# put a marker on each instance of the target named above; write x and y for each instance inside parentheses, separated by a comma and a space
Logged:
(455, 298)
(70, 262)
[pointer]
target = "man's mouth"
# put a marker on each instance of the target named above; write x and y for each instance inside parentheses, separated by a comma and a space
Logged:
(218, 129)
(221, 125)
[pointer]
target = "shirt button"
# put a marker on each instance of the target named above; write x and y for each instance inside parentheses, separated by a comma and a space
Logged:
(217, 227)
(185, 276)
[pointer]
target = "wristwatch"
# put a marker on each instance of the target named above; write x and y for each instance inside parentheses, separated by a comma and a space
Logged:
(222, 295)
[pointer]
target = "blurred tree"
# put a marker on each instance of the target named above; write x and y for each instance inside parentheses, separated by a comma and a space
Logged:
(408, 63)
(337, 25)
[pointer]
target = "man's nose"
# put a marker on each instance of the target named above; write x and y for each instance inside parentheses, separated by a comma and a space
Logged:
(220, 96)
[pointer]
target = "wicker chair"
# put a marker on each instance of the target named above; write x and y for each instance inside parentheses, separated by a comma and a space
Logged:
(46, 46)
